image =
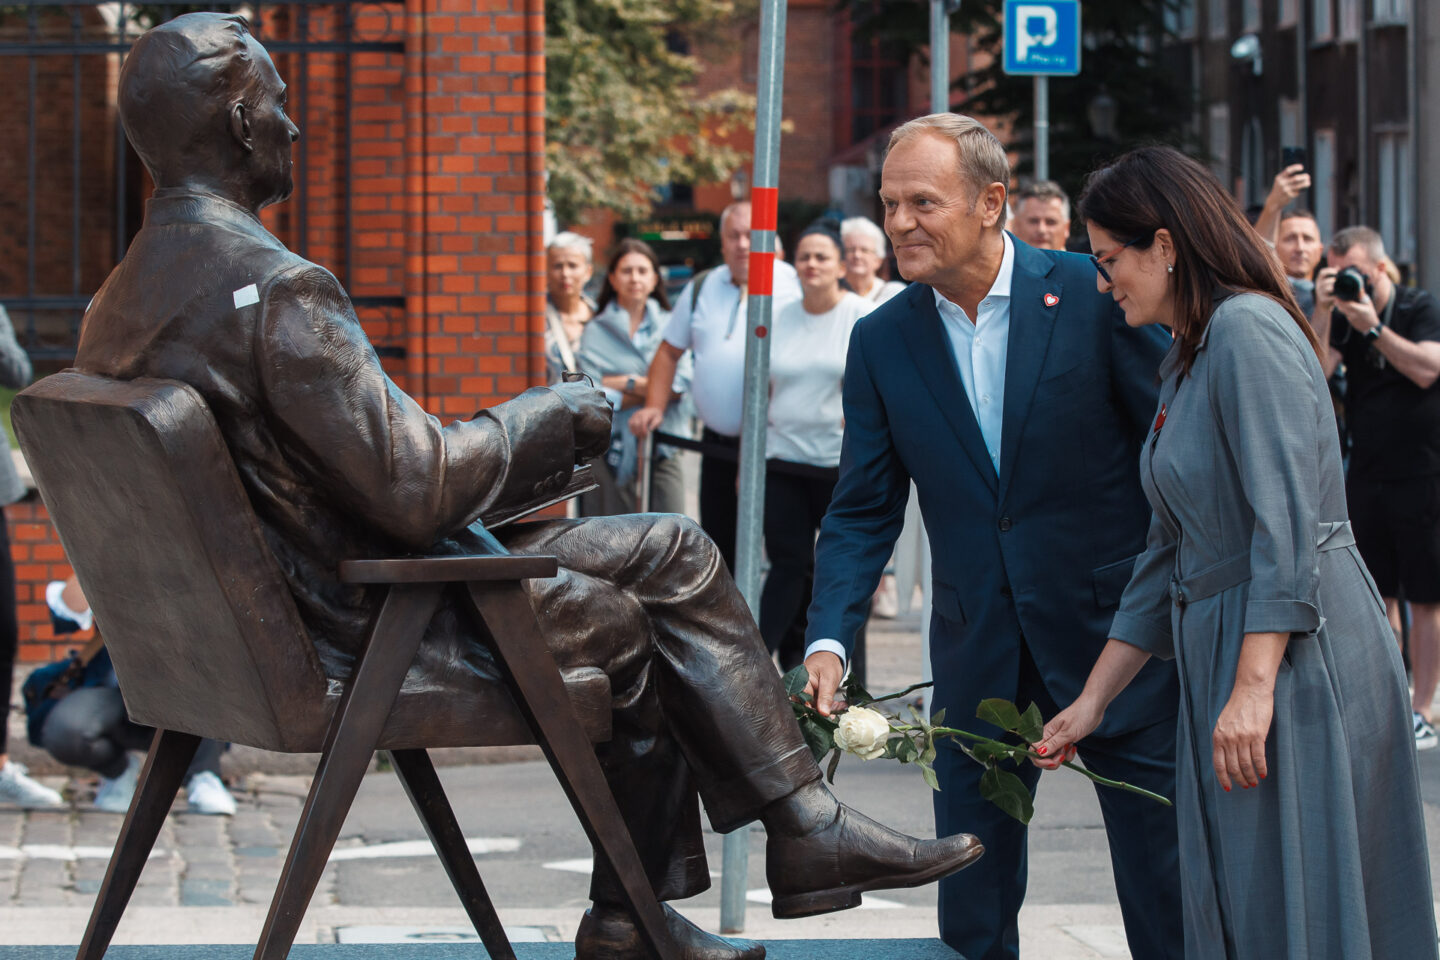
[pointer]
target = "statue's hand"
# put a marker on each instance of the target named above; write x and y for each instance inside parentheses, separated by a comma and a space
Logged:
(590, 417)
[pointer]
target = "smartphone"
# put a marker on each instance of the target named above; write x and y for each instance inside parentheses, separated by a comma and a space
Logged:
(1289, 156)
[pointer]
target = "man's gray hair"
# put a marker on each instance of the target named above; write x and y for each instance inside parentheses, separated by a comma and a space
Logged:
(573, 241)
(981, 154)
(1372, 242)
(1045, 190)
(865, 227)
(725, 214)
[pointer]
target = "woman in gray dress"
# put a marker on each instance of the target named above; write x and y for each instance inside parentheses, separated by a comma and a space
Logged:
(1298, 800)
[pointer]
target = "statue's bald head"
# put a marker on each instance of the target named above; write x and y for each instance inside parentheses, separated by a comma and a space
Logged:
(178, 84)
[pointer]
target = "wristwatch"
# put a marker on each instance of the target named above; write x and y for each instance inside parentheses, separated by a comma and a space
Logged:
(1373, 333)
(630, 385)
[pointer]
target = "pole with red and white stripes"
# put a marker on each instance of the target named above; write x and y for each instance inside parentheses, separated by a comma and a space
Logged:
(764, 200)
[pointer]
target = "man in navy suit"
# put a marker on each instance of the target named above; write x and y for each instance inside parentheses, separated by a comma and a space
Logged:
(1011, 391)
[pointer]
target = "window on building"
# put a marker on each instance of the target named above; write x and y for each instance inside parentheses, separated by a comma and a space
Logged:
(1217, 27)
(879, 91)
(1322, 180)
(1220, 142)
(1350, 19)
(1392, 11)
(1397, 219)
(1322, 20)
(1289, 13)
(1180, 19)
(1251, 16)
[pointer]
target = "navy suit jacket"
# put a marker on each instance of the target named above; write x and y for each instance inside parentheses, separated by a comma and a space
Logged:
(1040, 553)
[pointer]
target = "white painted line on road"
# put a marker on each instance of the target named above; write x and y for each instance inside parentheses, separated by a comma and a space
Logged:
(53, 851)
(586, 865)
(423, 848)
(870, 901)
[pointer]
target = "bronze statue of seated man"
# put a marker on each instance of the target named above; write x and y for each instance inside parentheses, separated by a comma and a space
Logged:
(341, 464)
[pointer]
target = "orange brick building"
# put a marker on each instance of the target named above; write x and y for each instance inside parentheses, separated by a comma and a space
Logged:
(419, 182)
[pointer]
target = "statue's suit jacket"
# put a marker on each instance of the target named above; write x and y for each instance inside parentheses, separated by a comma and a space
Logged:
(1037, 555)
(320, 435)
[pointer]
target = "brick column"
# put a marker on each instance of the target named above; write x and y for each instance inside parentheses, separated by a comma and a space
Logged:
(474, 273)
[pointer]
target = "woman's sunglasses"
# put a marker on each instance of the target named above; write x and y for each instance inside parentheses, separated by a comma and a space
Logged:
(1100, 268)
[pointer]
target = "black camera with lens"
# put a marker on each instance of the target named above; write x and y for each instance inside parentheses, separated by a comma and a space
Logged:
(1349, 283)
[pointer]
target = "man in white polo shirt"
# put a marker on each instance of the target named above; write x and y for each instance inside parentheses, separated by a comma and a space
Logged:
(709, 319)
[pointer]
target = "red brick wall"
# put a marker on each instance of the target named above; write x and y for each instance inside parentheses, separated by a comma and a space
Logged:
(446, 199)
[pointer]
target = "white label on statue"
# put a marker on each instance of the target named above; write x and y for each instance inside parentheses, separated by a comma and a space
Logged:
(246, 296)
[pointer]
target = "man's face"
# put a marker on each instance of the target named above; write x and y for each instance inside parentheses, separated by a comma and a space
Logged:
(271, 131)
(735, 242)
(1298, 246)
(934, 219)
(1041, 222)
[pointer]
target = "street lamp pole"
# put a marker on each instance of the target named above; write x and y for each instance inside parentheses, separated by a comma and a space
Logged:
(764, 203)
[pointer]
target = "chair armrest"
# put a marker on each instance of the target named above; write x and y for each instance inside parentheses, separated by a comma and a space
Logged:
(448, 569)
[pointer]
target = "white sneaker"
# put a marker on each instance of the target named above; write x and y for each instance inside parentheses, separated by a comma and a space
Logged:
(1425, 738)
(17, 787)
(207, 795)
(114, 796)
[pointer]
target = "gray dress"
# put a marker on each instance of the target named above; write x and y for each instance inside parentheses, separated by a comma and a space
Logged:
(1327, 857)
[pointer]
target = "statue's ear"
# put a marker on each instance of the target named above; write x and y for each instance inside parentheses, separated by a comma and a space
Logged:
(240, 126)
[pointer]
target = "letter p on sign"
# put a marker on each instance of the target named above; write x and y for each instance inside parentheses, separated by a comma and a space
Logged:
(1039, 27)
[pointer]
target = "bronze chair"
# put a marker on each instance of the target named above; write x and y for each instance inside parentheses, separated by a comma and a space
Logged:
(207, 642)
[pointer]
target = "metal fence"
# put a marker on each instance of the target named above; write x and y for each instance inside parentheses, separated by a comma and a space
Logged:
(72, 190)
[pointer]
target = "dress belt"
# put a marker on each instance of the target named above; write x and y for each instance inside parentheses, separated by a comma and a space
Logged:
(1219, 577)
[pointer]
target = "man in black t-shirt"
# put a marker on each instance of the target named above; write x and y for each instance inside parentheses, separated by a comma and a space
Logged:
(1389, 341)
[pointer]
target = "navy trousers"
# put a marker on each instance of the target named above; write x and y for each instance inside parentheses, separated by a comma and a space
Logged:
(979, 905)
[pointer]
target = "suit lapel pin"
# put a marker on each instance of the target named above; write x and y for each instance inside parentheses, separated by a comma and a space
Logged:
(1051, 299)
(1159, 420)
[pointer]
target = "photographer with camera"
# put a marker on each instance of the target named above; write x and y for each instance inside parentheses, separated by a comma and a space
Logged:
(1388, 337)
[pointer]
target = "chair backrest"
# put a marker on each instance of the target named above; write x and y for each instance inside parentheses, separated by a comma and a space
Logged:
(196, 614)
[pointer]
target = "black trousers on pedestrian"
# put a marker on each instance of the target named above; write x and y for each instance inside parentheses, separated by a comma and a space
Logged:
(89, 728)
(9, 627)
(796, 498)
(719, 500)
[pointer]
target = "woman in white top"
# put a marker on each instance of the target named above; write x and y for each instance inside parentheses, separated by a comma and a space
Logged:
(806, 423)
(863, 244)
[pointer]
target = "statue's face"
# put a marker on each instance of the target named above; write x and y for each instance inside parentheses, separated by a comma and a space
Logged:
(272, 132)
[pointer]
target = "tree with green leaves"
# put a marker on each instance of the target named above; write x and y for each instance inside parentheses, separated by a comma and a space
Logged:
(1129, 75)
(622, 113)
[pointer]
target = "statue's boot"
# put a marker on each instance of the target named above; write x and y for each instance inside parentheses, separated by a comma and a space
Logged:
(609, 933)
(829, 867)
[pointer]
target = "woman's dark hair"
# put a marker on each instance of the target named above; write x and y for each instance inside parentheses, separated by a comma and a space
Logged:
(1215, 247)
(623, 249)
(827, 227)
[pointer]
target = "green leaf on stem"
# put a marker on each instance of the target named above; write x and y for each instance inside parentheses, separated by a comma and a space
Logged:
(905, 750)
(1032, 725)
(796, 681)
(988, 751)
(937, 719)
(928, 772)
(819, 736)
(1007, 792)
(855, 692)
(999, 711)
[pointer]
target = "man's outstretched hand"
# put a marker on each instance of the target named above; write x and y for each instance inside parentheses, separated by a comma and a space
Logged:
(590, 417)
(826, 672)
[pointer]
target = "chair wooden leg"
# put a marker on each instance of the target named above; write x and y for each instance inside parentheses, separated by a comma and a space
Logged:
(170, 755)
(423, 787)
(521, 651)
(349, 745)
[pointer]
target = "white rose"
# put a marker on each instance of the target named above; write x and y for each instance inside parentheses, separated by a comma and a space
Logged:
(863, 732)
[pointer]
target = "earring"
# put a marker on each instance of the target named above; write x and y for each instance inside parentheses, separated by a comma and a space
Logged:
(1169, 268)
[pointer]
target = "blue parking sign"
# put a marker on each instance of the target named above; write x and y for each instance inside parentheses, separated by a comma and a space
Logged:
(1042, 37)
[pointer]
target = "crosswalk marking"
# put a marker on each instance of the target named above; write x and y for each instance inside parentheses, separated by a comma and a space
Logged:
(422, 848)
(55, 851)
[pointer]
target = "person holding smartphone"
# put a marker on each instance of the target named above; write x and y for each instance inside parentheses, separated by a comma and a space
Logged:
(1292, 180)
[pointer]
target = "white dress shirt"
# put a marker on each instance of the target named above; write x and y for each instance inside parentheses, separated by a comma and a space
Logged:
(980, 349)
(715, 333)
